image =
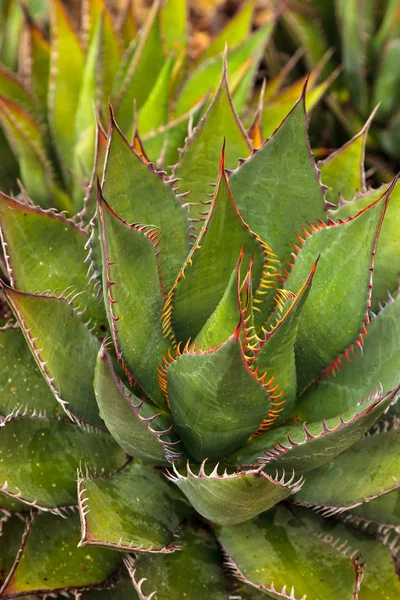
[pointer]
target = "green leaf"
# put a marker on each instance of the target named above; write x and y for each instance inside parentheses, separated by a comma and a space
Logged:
(11, 531)
(387, 258)
(204, 78)
(194, 572)
(262, 188)
(234, 33)
(274, 552)
(198, 165)
(309, 445)
(341, 296)
(142, 69)
(353, 51)
(229, 499)
(190, 303)
(216, 401)
(128, 185)
(40, 56)
(382, 513)
(21, 383)
(343, 171)
(133, 296)
(387, 83)
(377, 364)
(127, 28)
(364, 472)
(275, 359)
(310, 34)
(138, 427)
(46, 251)
(31, 446)
(67, 65)
(59, 341)
(25, 138)
(122, 589)
(12, 89)
(174, 24)
(50, 560)
(133, 509)
(154, 112)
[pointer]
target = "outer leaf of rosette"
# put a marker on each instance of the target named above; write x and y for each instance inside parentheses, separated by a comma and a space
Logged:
(21, 382)
(387, 259)
(134, 509)
(343, 171)
(195, 572)
(212, 259)
(276, 358)
(381, 515)
(31, 445)
(230, 499)
(67, 65)
(216, 401)
(378, 557)
(139, 194)
(309, 445)
(274, 205)
(361, 372)
(366, 471)
(59, 342)
(141, 70)
(45, 251)
(273, 553)
(198, 164)
(138, 427)
(204, 78)
(338, 304)
(49, 559)
(133, 297)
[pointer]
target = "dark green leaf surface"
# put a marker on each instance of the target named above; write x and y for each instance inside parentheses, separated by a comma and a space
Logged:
(21, 382)
(138, 194)
(216, 402)
(340, 296)
(384, 512)
(274, 552)
(11, 532)
(30, 447)
(133, 423)
(51, 561)
(274, 205)
(231, 499)
(136, 508)
(377, 364)
(194, 572)
(133, 296)
(59, 341)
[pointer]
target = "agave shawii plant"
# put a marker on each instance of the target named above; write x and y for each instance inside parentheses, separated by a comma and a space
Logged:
(218, 372)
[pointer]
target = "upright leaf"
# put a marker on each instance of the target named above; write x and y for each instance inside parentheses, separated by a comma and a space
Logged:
(154, 112)
(174, 24)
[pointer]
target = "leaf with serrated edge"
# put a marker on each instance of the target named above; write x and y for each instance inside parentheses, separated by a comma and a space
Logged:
(387, 259)
(189, 303)
(195, 572)
(133, 297)
(128, 185)
(67, 64)
(198, 166)
(21, 382)
(45, 251)
(361, 372)
(229, 499)
(216, 401)
(381, 515)
(273, 553)
(134, 509)
(40, 56)
(49, 559)
(59, 341)
(367, 470)
(138, 427)
(340, 296)
(262, 188)
(30, 446)
(310, 445)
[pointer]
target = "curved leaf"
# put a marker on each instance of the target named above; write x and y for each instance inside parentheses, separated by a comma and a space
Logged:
(31, 446)
(382, 514)
(133, 509)
(154, 112)
(231, 499)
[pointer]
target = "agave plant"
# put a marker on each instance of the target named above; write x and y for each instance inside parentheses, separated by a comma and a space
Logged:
(365, 39)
